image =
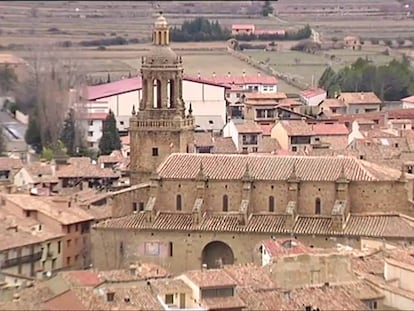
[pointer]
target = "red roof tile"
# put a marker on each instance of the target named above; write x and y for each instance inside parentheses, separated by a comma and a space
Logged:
(82, 278)
(242, 80)
(281, 247)
(266, 129)
(242, 26)
(212, 278)
(330, 129)
(114, 88)
(269, 167)
(312, 92)
(409, 99)
(95, 116)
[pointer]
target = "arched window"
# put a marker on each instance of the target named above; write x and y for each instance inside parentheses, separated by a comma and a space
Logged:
(317, 206)
(225, 203)
(271, 204)
(157, 97)
(172, 93)
(178, 202)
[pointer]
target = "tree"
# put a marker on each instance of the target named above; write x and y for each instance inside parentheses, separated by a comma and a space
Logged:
(68, 136)
(110, 140)
(2, 142)
(8, 78)
(267, 8)
(32, 135)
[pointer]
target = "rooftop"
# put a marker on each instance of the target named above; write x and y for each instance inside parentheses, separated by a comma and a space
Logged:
(248, 127)
(211, 278)
(370, 225)
(10, 163)
(312, 92)
(409, 99)
(358, 98)
(269, 167)
(64, 215)
(281, 247)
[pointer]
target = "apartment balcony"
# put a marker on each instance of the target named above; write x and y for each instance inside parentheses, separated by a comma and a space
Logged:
(21, 260)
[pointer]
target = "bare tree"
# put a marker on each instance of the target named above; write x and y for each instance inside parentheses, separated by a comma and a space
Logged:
(52, 77)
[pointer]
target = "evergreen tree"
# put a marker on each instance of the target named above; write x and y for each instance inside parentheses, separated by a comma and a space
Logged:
(68, 136)
(32, 135)
(267, 8)
(2, 142)
(110, 140)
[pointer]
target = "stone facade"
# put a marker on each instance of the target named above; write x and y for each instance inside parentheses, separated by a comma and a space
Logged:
(160, 126)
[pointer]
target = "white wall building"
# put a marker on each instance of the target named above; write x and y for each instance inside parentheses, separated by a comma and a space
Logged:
(408, 102)
(206, 98)
(313, 96)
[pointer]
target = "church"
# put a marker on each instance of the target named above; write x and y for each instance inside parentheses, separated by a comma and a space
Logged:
(186, 210)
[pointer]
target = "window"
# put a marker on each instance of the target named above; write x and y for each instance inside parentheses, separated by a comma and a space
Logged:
(271, 204)
(254, 149)
(178, 202)
(317, 206)
(228, 95)
(76, 258)
(372, 305)
(27, 213)
(244, 150)
(169, 299)
(141, 206)
(121, 122)
(69, 242)
(91, 144)
(90, 133)
(333, 110)
(68, 260)
(90, 122)
(238, 95)
(171, 248)
(225, 203)
(59, 247)
(68, 229)
(155, 152)
(77, 227)
(53, 263)
(294, 148)
(134, 206)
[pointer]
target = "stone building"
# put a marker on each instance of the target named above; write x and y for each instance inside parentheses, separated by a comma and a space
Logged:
(186, 210)
(160, 126)
(210, 209)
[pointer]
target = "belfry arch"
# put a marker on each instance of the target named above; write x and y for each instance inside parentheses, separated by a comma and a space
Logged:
(216, 254)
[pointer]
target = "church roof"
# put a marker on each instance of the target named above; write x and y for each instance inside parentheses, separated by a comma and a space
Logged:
(366, 225)
(270, 167)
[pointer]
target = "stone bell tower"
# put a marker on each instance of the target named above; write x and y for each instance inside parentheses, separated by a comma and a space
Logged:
(160, 126)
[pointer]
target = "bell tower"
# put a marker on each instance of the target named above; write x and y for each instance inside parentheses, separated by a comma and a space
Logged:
(160, 126)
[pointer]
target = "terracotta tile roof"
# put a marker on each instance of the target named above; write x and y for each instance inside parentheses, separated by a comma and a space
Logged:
(266, 129)
(115, 157)
(95, 116)
(45, 205)
(265, 96)
(402, 255)
(268, 167)
(249, 275)
(289, 102)
(268, 145)
(203, 140)
(359, 225)
(84, 169)
(211, 278)
(263, 222)
(333, 103)
(312, 92)
(81, 278)
(248, 127)
(357, 98)
(199, 79)
(11, 59)
(173, 221)
(371, 263)
(281, 247)
(10, 164)
(409, 99)
(220, 303)
(297, 127)
(67, 300)
(330, 129)
(224, 145)
(25, 235)
(266, 300)
(169, 286)
(143, 271)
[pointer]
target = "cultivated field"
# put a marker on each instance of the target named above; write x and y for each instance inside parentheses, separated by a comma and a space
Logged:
(24, 23)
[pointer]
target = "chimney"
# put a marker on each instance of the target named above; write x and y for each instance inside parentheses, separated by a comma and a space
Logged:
(204, 267)
(110, 295)
(214, 74)
(133, 269)
(198, 74)
(244, 73)
(229, 74)
(258, 74)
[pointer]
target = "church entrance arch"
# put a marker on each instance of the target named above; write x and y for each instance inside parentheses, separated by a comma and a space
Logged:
(216, 254)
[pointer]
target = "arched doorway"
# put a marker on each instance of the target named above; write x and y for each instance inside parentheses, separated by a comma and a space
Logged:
(216, 254)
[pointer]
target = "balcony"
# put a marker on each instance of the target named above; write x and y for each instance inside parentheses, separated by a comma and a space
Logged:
(21, 260)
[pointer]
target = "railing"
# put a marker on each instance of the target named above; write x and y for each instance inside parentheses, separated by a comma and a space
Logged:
(165, 123)
(21, 260)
